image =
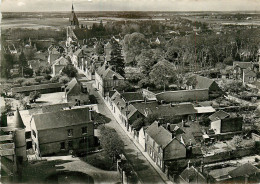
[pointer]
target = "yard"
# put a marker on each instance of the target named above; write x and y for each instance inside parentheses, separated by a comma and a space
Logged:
(100, 160)
(50, 98)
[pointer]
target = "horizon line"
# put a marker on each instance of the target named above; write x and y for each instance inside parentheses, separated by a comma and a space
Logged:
(132, 11)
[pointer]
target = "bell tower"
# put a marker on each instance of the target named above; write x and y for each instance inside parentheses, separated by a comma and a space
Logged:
(73, 20)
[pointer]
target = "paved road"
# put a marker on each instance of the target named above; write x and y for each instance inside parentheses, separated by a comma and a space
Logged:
(144, 170)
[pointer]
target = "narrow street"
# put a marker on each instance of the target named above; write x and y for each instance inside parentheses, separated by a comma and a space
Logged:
(144, 170)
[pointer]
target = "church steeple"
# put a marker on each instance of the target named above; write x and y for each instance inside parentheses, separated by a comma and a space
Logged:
(73, 18)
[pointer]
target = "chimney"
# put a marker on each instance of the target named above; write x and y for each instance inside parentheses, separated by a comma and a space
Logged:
(161, 121)
(183, 123)
(168, 126)
(189, 164)
(90, 115)
(201, 167)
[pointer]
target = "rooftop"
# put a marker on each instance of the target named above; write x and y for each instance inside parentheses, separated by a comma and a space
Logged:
(59, 119)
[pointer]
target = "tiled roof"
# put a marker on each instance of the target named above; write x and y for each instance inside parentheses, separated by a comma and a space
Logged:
(61, 61)
(243, 65)
(243, 170)
(203, 82)
(132, 96)
(218, 115)
(159, 134)
(81, 33)
(73, 87)
(165, 110)
(35, 87)
(190, 174)
(61, 119)
(108, 73)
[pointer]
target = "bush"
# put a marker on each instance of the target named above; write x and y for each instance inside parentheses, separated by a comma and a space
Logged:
(27, 83)
(256, 159)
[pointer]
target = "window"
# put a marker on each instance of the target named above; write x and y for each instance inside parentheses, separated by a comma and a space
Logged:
(153, 144)
(70, 132)
(35, 146)
(70, 144)
(84, 130)
(29, 145)
(27, 135)
(62, 145)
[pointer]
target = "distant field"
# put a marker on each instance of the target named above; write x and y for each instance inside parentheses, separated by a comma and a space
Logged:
(225, 21)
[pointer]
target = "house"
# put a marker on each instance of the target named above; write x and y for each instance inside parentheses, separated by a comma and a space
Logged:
(106, 79)
(224, 125)
(58, 65)
(42, 88)
(161, 146)
(239, 66)
(73, 130)
(192, 175)
(249, 76)
(210, 84)
(183, 111)
(74, 94)
(245, 173)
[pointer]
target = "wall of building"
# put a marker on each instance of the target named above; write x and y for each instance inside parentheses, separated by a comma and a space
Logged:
(216, 126)
(51, 144)
(174, 150)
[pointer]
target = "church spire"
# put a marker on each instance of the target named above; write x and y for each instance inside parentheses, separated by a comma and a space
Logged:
(72, 8)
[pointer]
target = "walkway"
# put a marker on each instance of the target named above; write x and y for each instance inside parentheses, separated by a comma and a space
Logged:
(144, 170)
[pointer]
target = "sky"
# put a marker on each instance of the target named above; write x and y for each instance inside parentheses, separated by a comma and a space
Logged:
(129, 5)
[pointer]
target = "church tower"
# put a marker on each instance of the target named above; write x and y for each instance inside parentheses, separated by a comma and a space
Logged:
(73, 18)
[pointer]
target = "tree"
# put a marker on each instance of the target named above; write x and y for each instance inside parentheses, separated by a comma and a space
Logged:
(7, 62)
(28, 72)
(126, 86)
(132, 46)
(19, 80)
(228, 61)
(191, 81)
(64, 80)
(237, 141)
(34, 95)
(111, 142)
(138, 124)
(23, 61)
(162, 74)
(145, 61)
(27, 83)
(150, 119)
(39, 79)
(116, 59)
(5, 88)
(70, 71)
(99, 48)
(55, 78)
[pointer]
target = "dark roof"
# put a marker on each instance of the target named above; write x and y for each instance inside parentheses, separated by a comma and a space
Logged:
(36, 87)
(80, 33)
(61, 119)
(111, 93)
(159, 134)
(243, 65)
(108, 73)
(132, 96)
(190, 174)
(73, 87)
(218, 115)
(165, 110)
(54, 107)
(203, 82)
(243, 170)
